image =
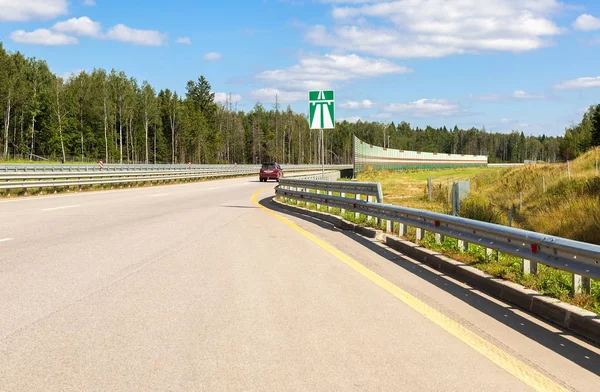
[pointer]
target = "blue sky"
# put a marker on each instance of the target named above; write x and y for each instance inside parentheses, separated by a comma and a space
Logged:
(528, 65)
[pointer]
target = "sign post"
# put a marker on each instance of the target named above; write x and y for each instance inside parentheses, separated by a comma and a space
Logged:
(321, 109)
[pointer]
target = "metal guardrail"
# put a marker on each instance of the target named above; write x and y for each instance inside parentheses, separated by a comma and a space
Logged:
(24, 168)
(59, 179)
(331, 175)
(356, 188)
(580, 258)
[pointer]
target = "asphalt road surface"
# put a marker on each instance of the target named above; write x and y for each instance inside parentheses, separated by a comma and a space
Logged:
(197, 288)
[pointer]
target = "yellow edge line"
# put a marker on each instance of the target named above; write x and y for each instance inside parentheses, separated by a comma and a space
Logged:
(514, 366)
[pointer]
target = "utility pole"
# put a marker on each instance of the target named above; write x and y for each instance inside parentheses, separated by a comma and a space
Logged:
(322, 154)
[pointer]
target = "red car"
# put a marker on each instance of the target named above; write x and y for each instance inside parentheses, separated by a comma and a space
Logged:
(270, 171)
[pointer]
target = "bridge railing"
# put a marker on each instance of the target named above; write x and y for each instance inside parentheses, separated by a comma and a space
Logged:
(579, 258)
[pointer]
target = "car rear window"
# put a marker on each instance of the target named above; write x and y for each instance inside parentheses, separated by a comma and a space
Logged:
(268, 166)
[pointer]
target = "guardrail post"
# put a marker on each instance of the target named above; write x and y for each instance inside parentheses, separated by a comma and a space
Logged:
(356, 214)
(402, 229)
(544, 184)
(529, 267)
(581, 284)
(439, 238)
(520, 201)
(488, 254)
(389, 226)
(370, 200)
(430, 188)
(329, 207)
(379, 199)
(463, 245)
(343, 211)
(420, 234)
(318, 205)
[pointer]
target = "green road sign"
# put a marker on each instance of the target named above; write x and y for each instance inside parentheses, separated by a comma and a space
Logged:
(321, 106)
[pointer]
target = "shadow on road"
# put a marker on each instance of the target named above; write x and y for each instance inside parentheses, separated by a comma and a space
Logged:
(559, 342)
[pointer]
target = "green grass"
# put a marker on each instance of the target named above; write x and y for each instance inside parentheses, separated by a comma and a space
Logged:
(548, 281)
(409, 188)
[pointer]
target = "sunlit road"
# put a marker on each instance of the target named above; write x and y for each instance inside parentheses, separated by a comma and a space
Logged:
(194, 287)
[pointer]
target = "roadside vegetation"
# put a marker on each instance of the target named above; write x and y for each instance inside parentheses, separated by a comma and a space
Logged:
(554, 203)
(561, 199)
(548, 281)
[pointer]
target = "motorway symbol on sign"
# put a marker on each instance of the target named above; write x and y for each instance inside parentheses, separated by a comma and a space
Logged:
(321, 107)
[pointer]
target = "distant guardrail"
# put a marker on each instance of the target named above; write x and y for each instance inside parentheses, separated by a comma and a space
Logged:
(24, 167)
(65, 176)
(579, 258)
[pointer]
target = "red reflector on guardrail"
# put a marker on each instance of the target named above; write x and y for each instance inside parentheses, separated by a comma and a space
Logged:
(535, 248)
(354, 205)
(436, 223)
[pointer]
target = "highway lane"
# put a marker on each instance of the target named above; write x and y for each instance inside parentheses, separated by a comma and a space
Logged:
(194, 287)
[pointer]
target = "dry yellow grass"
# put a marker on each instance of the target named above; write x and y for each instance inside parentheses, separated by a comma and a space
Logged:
(569, 207)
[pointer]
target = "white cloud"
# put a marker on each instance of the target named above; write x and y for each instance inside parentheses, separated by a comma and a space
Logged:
(586, 82)
(79, 26)
(25, 10)
(382, 116)
(366, 104)
(518, 94)
(586, 22)
(322, 72)
(267, 95)
(353, 119)
(43, 37)
(124, 33)
(491, 97)
(213, 56)
(426, 28)
(506, 121)
(223, 97)
(184, 40)
(89, 3)
(426, 108)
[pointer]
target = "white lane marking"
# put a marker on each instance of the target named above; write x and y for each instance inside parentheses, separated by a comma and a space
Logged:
(60, 208)
(160, 194)
(6, 239)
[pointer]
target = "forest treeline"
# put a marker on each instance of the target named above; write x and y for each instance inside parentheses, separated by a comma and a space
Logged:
(109, 115)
